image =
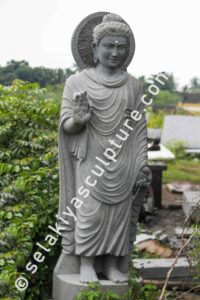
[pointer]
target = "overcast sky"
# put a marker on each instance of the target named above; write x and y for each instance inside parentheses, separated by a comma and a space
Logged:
(167, 33)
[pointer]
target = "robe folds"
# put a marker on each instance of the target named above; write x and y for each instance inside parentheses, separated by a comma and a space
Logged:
(104, 222)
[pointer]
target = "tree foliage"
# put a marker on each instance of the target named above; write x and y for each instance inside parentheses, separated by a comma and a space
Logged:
(21, 70)
(194, 85)
(166, 86)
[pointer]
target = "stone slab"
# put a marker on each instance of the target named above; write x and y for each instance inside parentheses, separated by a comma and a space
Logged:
(157, 268)
(181, 128)
(67, 286)
(163, 154)
(191, 205)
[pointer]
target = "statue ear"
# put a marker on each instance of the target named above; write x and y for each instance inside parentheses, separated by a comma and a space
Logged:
(94, 49)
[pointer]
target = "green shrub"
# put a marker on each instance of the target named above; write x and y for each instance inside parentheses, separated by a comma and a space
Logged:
(156, 120)
(178, 148)
(95, 292)
(28, 185)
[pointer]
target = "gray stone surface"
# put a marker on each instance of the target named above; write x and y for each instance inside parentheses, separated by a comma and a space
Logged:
(158, 268)
(191, 205)
(181, 128)
(66, 287)
(69, 264)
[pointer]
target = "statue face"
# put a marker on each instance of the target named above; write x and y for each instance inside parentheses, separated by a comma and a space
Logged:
(111, 51)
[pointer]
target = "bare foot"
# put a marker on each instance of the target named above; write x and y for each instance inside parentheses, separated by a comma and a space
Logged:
(87, 271)
(111, 271)
(115, 275)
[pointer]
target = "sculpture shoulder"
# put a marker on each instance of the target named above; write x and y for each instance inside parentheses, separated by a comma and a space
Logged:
(73, 78)
(78, 79)
(137, 85)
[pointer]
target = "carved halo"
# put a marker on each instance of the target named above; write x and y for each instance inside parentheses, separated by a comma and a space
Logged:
(82, 39)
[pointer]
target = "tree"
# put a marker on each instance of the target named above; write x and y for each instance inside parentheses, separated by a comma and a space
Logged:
(22, 70)
(166, 82)
(195, 85)
(169, 84)
(166, 97)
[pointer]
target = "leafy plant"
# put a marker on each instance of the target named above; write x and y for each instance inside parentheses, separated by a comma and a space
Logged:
(94, 291)
(156, 120)
(178, 148)
(28, 185)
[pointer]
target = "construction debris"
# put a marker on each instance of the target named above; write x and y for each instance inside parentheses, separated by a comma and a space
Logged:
(155, 248)
(179, 188)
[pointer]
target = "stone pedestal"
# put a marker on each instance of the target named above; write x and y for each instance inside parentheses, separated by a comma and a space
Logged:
(66, 281)
(67, 286)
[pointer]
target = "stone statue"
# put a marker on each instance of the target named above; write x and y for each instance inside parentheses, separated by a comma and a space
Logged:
(102, 152)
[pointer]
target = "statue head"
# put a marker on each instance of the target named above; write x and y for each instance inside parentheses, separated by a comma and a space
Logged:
(94, 29)
(111, 41)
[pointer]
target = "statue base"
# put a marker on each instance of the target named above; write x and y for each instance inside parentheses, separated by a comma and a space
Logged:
(66, 279)
(67, 286)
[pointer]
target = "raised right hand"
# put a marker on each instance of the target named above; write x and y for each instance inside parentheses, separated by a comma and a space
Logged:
(82, 110)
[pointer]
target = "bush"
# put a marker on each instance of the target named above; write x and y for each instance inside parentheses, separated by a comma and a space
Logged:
(28, 185)
(178, 148)
(156, 120)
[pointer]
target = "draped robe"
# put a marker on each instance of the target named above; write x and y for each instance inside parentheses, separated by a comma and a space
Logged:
(105, 222)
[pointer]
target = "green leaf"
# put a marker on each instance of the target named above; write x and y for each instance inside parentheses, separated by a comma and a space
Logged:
(2, 262)
(17, 169)
(9, 215)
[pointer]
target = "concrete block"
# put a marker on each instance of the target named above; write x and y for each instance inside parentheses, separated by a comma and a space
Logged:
(157, 268)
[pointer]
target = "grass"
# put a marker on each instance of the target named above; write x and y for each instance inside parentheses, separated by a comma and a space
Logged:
(183, 170)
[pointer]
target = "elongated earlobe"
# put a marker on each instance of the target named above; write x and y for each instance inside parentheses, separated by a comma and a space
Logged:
(95, 59)
(94, 48)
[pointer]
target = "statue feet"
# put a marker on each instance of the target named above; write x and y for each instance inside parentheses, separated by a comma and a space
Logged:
(111, 271)
(87, 271)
